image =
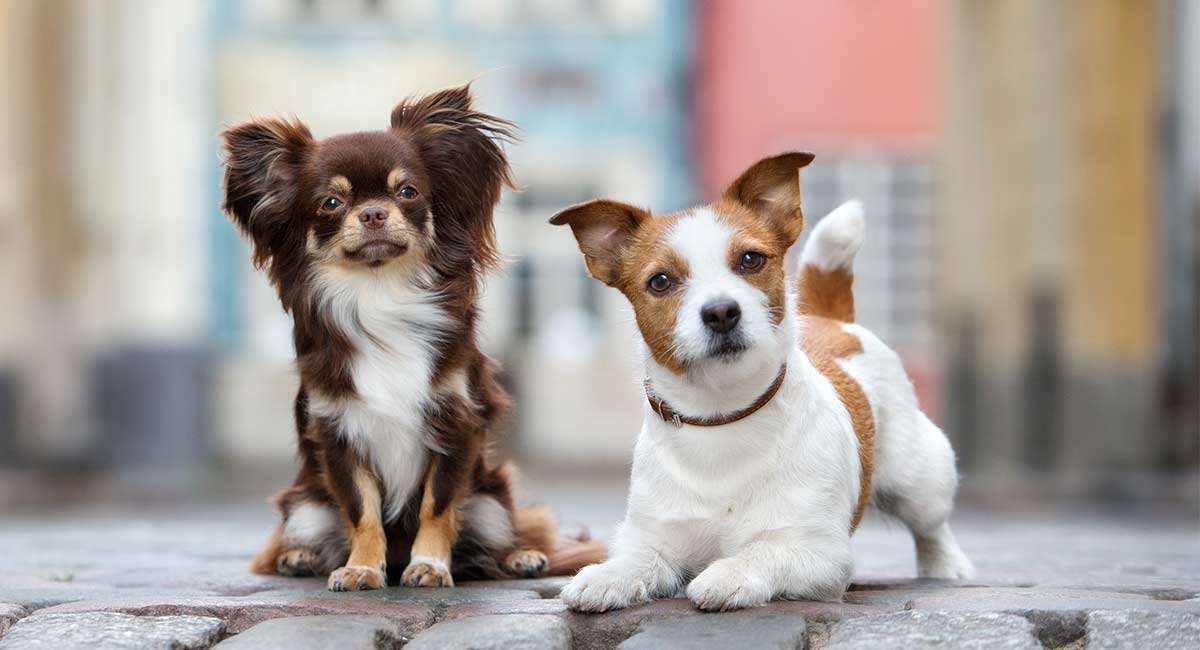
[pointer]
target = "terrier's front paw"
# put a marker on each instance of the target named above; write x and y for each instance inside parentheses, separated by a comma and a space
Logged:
(426, 573)
(527, 563)
(356, 578)
(601, 587)
(725, 585)
(296, 562)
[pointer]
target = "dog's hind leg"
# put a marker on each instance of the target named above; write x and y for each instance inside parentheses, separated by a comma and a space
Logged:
(915, 481)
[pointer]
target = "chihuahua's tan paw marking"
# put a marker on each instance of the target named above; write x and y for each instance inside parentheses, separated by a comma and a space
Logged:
(726, 585)
(356, 578)
(426, 573)
(296, 562)
(527, 563)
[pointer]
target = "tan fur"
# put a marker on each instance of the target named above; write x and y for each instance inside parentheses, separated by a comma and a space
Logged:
(537, 529)
(827, 293)
(752, 234)
(368, 543)
(264, 563)
(340, 185)
(825, 342)
(435, 538)
(395, 177)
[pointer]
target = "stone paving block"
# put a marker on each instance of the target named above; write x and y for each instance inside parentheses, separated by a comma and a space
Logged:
(106, 630)
(1138, 629)
(242, 613)
(505, 632)
(958, 630)
(545, 587)
(611, 628)
(36, 592)
(432, 597)
(320, 632)
(749, 629)
(544, 606)
(9, 614)
(1030, 600)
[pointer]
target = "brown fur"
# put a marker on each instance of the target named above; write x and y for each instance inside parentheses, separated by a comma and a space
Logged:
(825, 342)
(436, 536)
(623, 247)
(441, 235)
(827, 301)
(623, 244)
(827, 293)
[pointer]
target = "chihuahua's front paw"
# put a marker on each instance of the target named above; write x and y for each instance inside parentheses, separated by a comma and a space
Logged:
(725, 585)
(601, 587)
(426, 572)
(356, 578)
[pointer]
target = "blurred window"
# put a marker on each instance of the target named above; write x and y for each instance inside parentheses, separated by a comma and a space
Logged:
(893, 275)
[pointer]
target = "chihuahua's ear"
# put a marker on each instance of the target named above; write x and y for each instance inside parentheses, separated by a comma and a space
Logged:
(261, 164)
(462, 149)
(771, 188)
(603, 229)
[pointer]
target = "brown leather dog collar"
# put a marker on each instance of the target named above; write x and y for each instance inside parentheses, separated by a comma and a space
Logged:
(668, 414)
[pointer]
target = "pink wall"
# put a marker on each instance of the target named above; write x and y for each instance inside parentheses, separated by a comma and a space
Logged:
(811, 74)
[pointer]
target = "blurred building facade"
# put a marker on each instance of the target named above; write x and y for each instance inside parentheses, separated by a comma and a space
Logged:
(1030, 172)
(1067, 216)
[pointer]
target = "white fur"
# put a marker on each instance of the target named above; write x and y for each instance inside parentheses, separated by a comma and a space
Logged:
(393, 326)
(836, 239)
(309, 523)
(761, 508)
(489, 521)
(435, 562)
(703, 240)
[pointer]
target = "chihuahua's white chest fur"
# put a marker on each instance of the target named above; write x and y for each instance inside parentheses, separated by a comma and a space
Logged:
(394, 329)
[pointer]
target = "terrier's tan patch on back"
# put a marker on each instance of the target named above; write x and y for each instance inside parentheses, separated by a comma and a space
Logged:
(827, 293)
(825, 341)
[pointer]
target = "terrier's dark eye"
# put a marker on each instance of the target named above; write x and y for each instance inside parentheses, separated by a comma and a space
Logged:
(660, 283)
(408, 192)
(751, 262)
(330, 204)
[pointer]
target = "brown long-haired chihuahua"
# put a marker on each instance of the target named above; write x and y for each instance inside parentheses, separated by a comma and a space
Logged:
(376, 243)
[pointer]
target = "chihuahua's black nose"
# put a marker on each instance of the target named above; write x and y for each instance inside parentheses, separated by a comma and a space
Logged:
(721, 315)
(373, 218)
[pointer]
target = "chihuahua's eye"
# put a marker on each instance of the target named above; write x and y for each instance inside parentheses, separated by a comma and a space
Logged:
(408, 192)
(751, 262)
(660, 283)
(330, 204)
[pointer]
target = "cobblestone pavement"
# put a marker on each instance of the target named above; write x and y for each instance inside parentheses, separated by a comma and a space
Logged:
(177, 579)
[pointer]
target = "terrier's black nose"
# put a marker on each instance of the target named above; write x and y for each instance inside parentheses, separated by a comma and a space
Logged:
(721, 315)
(373, 217)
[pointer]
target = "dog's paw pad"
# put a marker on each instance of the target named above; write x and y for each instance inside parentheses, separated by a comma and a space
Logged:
(426, 574)
(527, 563)
(296, 562)
(356, 578)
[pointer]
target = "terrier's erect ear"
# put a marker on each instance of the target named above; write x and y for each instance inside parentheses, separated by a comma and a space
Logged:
(771, 188)
(603, 229)
(261, 163)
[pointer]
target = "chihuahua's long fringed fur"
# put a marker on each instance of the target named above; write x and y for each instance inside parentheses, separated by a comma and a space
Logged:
(376, 243)
(771, 418)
